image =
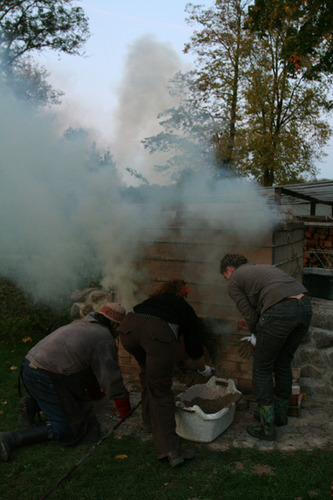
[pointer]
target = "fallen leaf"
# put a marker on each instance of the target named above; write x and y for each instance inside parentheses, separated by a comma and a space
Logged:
(26, 339)
(121, 457)
(4, 403)
(13, 367)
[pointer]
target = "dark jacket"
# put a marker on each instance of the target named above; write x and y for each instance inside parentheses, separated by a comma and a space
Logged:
(176, 310)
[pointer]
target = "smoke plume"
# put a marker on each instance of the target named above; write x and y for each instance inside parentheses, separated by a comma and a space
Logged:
(66, 219)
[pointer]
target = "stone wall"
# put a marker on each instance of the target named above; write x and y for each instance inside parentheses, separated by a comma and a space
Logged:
(314, 357)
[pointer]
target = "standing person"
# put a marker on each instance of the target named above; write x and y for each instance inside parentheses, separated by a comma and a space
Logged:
(278, 311)
(150, 333)
(58, 373)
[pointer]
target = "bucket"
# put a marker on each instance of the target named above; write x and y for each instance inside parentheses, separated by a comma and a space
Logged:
(193, 423)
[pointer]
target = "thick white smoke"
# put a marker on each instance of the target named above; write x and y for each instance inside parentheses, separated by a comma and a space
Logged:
(65, 219)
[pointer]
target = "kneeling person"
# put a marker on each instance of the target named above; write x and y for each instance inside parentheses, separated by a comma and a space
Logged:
(57, 372)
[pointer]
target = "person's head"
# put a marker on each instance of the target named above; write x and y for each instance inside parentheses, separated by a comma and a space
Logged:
(114, 312)
(230, 262)
(172, 287)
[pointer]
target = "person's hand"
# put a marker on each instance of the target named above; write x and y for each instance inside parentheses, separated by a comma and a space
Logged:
(246, 349)
(206, 372)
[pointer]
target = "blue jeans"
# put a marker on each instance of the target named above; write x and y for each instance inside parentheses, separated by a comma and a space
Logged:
(279, 332)
(40, 387)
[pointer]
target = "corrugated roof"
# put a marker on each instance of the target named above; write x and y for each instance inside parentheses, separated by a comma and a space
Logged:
(303, 199)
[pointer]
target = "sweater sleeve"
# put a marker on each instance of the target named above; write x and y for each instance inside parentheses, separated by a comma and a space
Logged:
(243, 304)
(106, 369)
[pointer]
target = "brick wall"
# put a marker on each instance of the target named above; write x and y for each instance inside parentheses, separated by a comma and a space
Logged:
(193, 254)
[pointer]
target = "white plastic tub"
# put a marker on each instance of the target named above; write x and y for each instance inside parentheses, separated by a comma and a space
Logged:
(193, 423)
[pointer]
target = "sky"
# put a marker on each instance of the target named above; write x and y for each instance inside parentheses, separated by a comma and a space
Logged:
(131, 45)
(64, 218)
(97, 85)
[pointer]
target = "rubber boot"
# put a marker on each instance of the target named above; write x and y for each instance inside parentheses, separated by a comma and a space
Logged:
(281, 406)
(265, 430)
(256, 414)
(27, 411)
(23, 437)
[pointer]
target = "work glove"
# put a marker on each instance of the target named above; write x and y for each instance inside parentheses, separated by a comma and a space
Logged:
(206, 372)
(123, 406)
(246, 349)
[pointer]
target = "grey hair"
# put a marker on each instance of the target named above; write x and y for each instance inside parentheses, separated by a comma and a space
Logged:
(233, 260)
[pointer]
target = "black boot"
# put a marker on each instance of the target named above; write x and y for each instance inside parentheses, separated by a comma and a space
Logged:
(27, 411)
(23, 437)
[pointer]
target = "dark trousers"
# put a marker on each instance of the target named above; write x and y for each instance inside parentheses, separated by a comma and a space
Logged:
(153, 344)
(41, 388)
(279, 332)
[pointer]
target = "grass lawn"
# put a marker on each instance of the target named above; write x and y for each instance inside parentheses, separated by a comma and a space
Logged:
(126, 468)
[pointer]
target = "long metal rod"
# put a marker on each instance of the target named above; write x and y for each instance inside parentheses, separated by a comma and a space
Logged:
(90, 452)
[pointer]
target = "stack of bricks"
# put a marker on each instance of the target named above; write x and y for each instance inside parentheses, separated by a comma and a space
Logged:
(318, 247)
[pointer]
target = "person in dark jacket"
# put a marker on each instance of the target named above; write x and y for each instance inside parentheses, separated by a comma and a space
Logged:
(278, 312)
(60, 372)
(150, 333)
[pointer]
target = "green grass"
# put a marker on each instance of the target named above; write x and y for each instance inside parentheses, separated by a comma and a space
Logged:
(234, 474)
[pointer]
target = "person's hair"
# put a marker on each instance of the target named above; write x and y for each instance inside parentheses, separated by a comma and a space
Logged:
(172, 287)
(233, 260)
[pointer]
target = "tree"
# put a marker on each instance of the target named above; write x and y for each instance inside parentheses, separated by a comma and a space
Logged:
(223, 48)
(28, 81)
(285, 128)
(36, 25)
(188, 136)
(275, 117)
(308, 26)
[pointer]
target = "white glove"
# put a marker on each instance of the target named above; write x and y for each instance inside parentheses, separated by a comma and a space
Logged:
(251, 339)
(206, 372)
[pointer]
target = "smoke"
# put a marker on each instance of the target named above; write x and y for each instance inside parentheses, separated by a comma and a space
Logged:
(142, 94)
(67, 219)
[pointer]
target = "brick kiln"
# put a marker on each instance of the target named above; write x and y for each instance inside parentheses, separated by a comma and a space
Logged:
(193, 253)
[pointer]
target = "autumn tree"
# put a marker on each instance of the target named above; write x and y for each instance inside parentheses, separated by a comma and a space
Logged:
(27, 26)
(308, 27)
(222, 48)
(285, 127)
(276, 126)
